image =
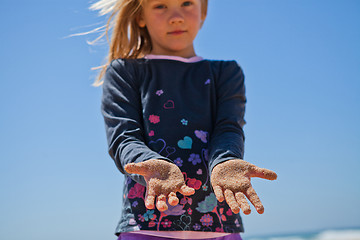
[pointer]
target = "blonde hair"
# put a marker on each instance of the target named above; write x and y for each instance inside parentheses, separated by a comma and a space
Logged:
(128, 39)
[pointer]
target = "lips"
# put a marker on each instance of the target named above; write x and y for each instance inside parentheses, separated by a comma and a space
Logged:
(177, 32)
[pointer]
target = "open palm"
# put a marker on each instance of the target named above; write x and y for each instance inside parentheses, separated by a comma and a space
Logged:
(231, 180)
(163, 179)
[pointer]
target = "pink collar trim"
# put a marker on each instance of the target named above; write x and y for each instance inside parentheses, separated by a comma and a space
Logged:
(176, 58)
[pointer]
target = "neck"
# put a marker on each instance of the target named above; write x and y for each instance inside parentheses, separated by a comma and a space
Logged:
(185, 53)
(176, 58)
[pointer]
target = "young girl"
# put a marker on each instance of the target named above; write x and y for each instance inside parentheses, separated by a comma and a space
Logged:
(174, 125)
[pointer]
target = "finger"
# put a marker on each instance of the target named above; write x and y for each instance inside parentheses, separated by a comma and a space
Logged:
(263, 173)
(218, 193)
(137, 168)
(254, 199)
(161, 203)
(150, 198)
(231, 201)
(186, 191)
(173, 200)
(244, 205)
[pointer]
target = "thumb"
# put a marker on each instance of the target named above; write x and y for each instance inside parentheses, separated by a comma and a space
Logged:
(137, 168)
(264, 173)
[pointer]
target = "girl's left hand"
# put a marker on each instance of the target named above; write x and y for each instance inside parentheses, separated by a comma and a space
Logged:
(231, 181)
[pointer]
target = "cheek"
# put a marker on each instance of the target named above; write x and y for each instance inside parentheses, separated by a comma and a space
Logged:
(153, 26)
(196, 23)
(195, 18)
(154, 32)
(157, 24)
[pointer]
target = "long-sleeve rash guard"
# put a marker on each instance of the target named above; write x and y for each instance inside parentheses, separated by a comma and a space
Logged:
(190, 114)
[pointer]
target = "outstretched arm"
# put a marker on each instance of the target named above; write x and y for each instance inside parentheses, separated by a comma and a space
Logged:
(122, 111)
(231, 180)
(227, 138)
(230, 176)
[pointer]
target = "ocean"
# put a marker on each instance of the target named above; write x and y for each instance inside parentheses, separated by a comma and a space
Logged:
(340, 234)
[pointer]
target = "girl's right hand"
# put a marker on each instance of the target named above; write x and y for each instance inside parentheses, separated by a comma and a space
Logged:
(163, 179)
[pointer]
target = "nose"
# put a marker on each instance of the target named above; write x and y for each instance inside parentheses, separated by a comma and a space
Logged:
(176, 17)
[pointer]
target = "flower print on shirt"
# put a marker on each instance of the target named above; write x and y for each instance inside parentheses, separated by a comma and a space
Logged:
(208, 204)
(184, 122)
(176, 210)
(149, 215)
(207, 220)
(186, 200)
(194, 158)
(189, 211)
(178, 161)
(134, 204)
(141, 218)
(137, 191)
(202, 135)
(197, 227)
(222, 215)
(193, 183)
(166, 223)
(154, 119)
(159, 92)
(229, 212)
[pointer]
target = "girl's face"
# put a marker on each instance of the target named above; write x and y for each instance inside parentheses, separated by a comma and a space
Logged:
(172, 25)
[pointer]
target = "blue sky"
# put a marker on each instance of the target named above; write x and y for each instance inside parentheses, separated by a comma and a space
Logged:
(301, 60)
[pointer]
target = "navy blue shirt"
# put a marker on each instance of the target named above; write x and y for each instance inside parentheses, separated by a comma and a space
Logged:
(190, 114)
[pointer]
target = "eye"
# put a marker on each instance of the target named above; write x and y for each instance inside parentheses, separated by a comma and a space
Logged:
(187, 3)
(160, 6)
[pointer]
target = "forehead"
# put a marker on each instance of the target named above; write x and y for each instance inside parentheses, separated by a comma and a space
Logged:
(142, 2)
(203, 3)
